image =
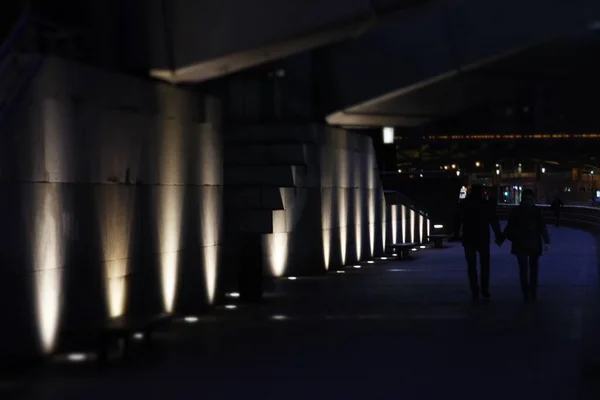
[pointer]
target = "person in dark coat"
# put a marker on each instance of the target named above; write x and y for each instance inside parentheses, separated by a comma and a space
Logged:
(476, 216)
(527, 231)
(556, 207)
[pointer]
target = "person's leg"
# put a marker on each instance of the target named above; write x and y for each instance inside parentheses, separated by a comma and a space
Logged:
(557, 215)
(471, 256)
(534, 262)
(484, 261)
(523, 267)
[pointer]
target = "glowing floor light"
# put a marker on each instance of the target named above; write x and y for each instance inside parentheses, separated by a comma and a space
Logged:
(233, 295)
(292, 278)
(231, 306)
(77, 357)
(138, 336)
(191, 319)
(357, 266)
(340, 272)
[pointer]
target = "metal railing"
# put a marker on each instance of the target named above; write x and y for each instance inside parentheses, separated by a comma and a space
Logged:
(581, 217)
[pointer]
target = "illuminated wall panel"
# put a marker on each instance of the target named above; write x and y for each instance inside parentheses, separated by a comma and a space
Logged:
(86, 164)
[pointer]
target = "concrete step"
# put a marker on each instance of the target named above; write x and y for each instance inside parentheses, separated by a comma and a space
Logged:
(257, 197)
(255, 221)
(265, 154)
(254, 175)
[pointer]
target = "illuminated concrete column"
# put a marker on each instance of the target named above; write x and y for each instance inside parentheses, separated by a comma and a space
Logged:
(169, 206)
(428, 227)
(343, 221)
(48, 263)
(371, 211)
(358, 221)
(421, 227)
(210, 224)
(394, 217)
(115, 205)
(412, 216)
(403, 222)
(326, 224)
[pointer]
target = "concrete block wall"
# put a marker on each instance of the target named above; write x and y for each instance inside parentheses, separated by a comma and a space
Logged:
(111, 202)
(329, 211)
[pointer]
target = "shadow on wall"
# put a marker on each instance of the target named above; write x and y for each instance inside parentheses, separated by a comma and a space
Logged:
(111, 204)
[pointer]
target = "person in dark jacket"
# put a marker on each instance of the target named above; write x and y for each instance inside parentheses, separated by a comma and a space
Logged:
(476, 215)
(556, 207)
(527, 231)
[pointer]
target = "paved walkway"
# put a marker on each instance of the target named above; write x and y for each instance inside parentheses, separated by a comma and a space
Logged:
(392, 330)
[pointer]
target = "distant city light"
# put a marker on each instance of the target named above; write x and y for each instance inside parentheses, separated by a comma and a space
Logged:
(478, 164)
(457, 173)
(388, 135)
(543, 170)
(497, 172)
(399, 171)
(453, 166)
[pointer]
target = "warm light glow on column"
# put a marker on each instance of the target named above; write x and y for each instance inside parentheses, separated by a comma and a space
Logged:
(394, 213)
(115, 212)
(383, 222)
(277, 246)
(371, 210)
(413, 217)
(358, 220)
(343, 221)
(169, 206)
(211, 214)
(403, 222)
(421, 226)
(48, 266)
(326, 209)
(170, 223)
(428, 227)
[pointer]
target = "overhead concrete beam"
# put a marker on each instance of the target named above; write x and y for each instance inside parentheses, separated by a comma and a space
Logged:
(211, 39)
(438, 41)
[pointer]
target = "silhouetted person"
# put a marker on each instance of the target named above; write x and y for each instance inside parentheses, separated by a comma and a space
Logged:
(526, 230)
(476, 215)
(556, 207)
